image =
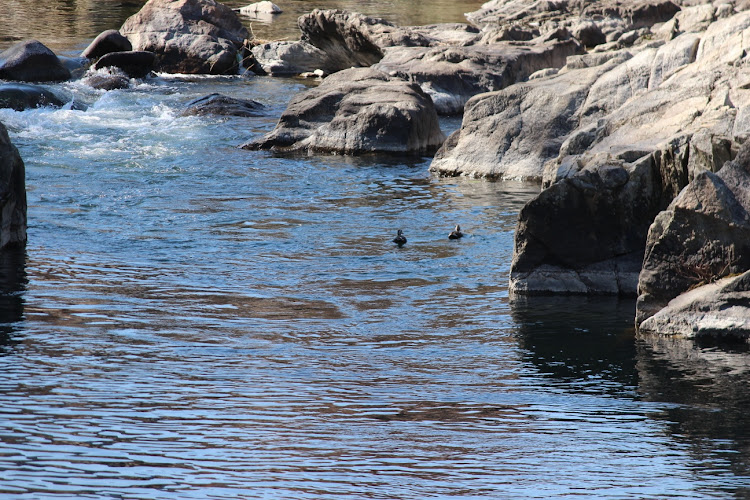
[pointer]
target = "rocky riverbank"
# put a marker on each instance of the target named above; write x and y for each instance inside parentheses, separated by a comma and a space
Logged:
(632, 114)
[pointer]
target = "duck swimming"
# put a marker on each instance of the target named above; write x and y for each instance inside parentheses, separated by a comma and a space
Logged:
(456, 233)
(400, 239)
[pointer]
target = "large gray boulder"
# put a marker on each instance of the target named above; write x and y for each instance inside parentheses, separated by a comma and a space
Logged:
(586, 233)
(358, 110)
(188, 36)
(31, 61)
(702, 236)
(289, 58)
(12, 193)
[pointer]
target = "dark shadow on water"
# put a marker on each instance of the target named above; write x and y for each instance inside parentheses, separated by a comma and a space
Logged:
(709, 388)
(13, 283)
(579, 339)
(702, 389)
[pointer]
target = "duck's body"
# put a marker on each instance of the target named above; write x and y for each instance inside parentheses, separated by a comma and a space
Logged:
(456, 233)
(400, 239)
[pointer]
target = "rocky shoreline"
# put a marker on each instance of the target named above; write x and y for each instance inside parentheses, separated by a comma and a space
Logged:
(632, 114)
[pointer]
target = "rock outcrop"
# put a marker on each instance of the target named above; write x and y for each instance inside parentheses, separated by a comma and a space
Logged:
(702, 236)
(188, 36)
(359, 110)
(586, 234)
(620, 151)
(594, 22)
(451, 62)
(31, 61)
(451, 75)
(12, 193)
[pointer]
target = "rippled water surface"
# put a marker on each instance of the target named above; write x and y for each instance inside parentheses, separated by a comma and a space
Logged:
(191, 320)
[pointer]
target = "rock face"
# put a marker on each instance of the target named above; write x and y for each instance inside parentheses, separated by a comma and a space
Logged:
(620, 149)
(358, 110)
(720, 309)
(188, 36)
(12, 193)
(606, 16)
(703, 235)
(218, 104)
(586, 234)
(21, 96)
(514, 132)
(353, 40)
(31, 61)
(135, 64)
(107, 41)
(453, 74)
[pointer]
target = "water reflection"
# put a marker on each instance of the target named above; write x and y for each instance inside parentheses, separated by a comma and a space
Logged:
(582, 342)
(703, 392)
(62, 24)
(70, 24)
(710, 390)
(13, 281)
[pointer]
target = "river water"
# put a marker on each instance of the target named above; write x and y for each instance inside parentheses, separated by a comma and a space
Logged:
(191, 320)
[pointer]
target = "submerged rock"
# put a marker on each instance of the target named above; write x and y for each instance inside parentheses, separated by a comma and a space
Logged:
(188, 36)
(31, 61)
(21, 96)
(12, 193)
(107, 80)
(135, 64)
(218, 104)
(358, 110)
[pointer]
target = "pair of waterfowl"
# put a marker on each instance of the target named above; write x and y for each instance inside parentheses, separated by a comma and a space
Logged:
(400, 239)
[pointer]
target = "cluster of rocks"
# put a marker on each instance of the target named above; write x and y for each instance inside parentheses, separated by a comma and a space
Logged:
(632, 114)
(170, 36)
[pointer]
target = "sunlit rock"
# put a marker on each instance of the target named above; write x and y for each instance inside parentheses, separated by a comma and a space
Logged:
(107, 41)
(358, 110)
(188, 36)
(31, 61)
